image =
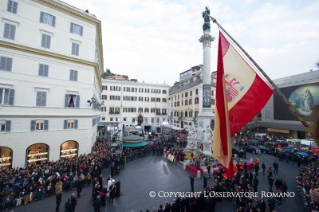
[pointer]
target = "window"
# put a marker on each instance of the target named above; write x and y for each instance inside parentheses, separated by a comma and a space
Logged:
(186, 94)
(190, 101)
(47, 19)
(158, 99)
(73, 75)
(196, 91)
(163, 99)
(158, 91)
(152, 110)
(133, 120)
(103, 109)
(152, 120)
(196, 100)
(118, 98)
(164, 91)
(182, 102)
(43, 70)
(112, 88)
(46, 41)
(70, 124)
(212, 93)
(158, 111)
(213, 102)
(124, 109)
(117, 110)
(6, 96)
(178, 104)
(182, 96)
(140, 110)
(75, 49)
(147, 99)
(72, 101)
(146, 120)
(140, 90)
(5, 126)
(41, 99)
(196, 113)
(163, 111)
(147, 90)
(118, 88)
(124, 119)
(190, 113)
(140, 99)
(111, 119)
(116, 119)
(76, 29)
(186, 113)
(104, 97)
(111, 110)
(104, 88)
(146, 110)
(12, 7)
(157, 120)
(186, 102)
(103, 118)
(9, 31)
(5, 63)
(152, 99)
(39, 125)
(191, 93)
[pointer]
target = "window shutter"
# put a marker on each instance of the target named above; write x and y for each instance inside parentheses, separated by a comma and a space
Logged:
(43, 40)
(77, 49)
(6, 30)
(8, 64)
(40, 69)
(92, 122)
(11, 97)
(53, 21)
(75, 124)
(66, 98)
(39, 95)
(32, 128)
(81, 30)
(41, 16)
(44, 99)
(12, 32)
(45, 70)
(10, 4)
(77, 103)
(48, 42)
(73, 48)
(3, 63)
(75, 75)
(15, 7)
(71, 74)
(46, 124)
(65, 124)
(71, 27)
(8, 126)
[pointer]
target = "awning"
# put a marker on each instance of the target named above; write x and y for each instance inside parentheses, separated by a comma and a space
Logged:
(135, 145)
(278, 130)
(101, 124)
(132, 138)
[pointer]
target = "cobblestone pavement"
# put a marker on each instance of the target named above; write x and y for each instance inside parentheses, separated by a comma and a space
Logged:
(154, 173)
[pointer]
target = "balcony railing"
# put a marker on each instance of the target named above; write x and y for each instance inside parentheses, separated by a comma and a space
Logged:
(114, 112)
(181, 118)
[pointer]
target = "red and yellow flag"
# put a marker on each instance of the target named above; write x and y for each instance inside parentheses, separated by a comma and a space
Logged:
(240, 95)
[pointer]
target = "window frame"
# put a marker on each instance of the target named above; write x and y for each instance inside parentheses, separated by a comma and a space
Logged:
(10, 30)
(72, 25)
(16, 12)
(44, 40)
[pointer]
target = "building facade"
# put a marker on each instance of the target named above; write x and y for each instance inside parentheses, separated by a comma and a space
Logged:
(50, 81)
(186, 97)
(302, 91)
(124, 101)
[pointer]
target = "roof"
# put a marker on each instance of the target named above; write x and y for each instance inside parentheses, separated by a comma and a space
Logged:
(135, 145)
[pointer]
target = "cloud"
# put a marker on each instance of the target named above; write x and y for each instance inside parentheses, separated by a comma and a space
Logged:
(155, 40)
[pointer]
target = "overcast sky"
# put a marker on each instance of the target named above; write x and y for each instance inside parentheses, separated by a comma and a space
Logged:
(155, 40)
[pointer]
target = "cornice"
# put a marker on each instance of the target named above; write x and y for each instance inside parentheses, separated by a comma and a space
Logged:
(107, 82)
(77, 14)
(41, 52)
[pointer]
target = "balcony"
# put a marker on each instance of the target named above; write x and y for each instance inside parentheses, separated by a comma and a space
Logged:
(161, 114)
(195, 119)
(114, 112)
(181, 118)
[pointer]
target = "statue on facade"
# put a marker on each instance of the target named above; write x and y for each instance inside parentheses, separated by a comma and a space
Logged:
(205, 14)
(209, 134)
(192, 132)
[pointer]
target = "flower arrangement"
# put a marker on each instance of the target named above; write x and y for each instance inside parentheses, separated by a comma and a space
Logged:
(192, 144)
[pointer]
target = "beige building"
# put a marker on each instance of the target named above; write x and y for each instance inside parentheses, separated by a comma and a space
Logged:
(186, 97)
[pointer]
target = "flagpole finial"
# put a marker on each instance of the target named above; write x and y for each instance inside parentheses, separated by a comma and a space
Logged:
(213, 19)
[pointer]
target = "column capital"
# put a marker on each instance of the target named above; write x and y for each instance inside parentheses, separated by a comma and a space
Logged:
(206, 39)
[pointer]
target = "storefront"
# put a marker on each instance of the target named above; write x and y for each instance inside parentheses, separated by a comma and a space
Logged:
(69, 149)
(38, 153)
(5, 157)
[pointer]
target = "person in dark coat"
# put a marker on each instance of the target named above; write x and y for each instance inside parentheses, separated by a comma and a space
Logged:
(174, 206)
(58, 200)
(192, 182)
(100, 182)
(255, 183)
(79, 187)
(95, 191)
(74, 201)
(112, 192)
(208, 204)
(271, 203)
(68, 206)
(103, 196)
(167, 207)
(205, 181)
(183, 204)
(97, 204)
(118, 188)
(256, 169)
(262, 205)
(263, 166)
(39, 193)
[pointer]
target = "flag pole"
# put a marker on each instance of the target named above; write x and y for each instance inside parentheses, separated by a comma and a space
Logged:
(281, 95)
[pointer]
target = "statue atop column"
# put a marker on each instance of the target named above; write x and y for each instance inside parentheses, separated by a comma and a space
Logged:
(206, 25)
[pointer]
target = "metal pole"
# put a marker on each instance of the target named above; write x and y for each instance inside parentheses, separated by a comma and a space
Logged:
(281, 95)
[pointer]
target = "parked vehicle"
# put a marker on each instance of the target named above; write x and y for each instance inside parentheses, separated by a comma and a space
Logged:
(264, 149)
(253, 142)
(302, 154)
(261, 135)
(251, 149)
(245, 143)
(275, 150)
(237, 152)
(293, 141)
(290, 149)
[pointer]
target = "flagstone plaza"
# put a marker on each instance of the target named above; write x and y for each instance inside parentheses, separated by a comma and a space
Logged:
(154, 173)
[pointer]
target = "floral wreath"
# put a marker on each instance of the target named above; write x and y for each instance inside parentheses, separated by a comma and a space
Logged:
(192, 144)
